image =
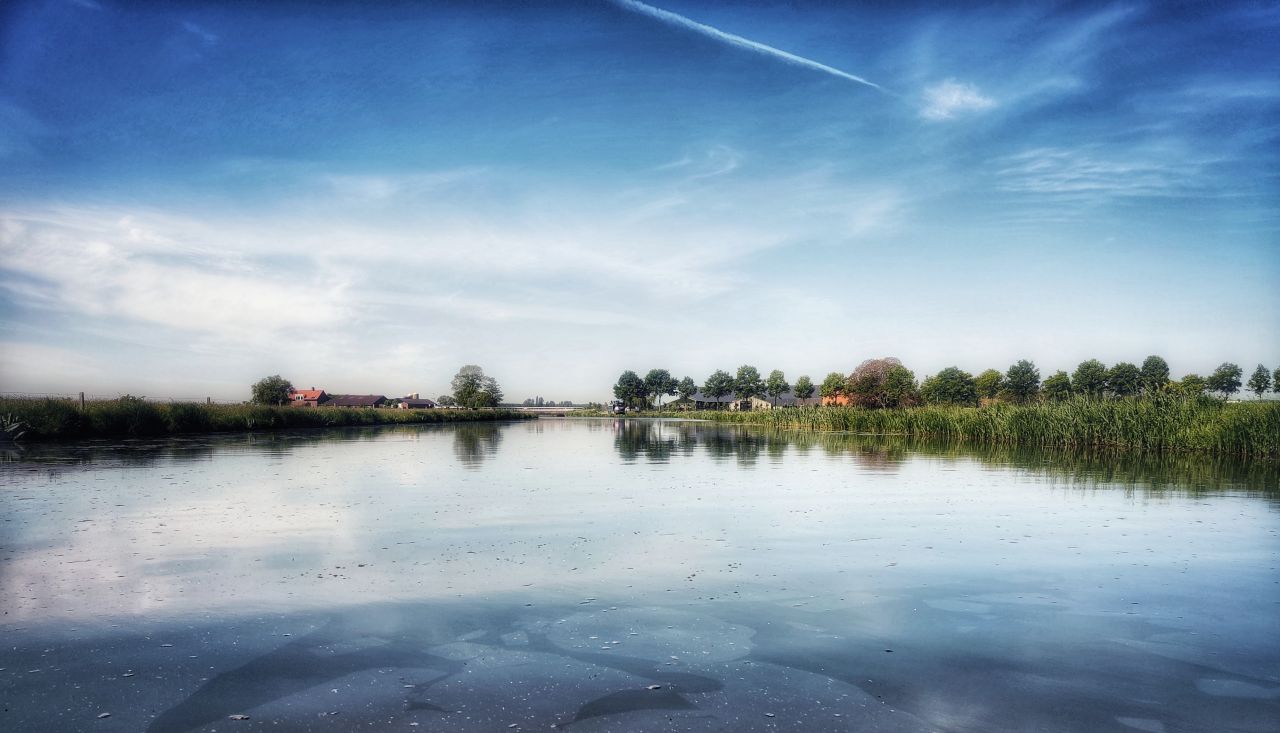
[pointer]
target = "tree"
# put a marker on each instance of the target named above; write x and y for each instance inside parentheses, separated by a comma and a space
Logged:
(272, 390)
(490, 393)
(951, 386)
(659, 382)
(748, 383)
(1275, 380)
(445, 400)
(881, 383)
(686, 388)
(1191, 385)
(1058, 386)
(528, 402)
(1124, 379)
(472, 389)
(899, 389)
(1022, 381)
(832, 386)
(988, 384)
(776, 386)
(630, 389)
(1260, 381)
(719, 384)
(1155, 375)
(1090, 378)
(804, 387)
(1225, 379)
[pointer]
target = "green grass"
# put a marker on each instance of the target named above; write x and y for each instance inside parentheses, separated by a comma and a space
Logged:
(1245, 429)
(51, 419)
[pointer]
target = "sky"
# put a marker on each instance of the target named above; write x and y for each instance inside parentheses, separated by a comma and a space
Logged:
(364, 197)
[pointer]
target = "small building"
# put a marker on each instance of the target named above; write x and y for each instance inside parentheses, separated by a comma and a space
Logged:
(837, 399)
(307, 397)
(358, 400)
(413, 402)
(727, 402)
(786, 399)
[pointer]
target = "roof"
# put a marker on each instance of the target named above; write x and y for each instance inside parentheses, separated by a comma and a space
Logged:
(789, 398)
(357, 400)
(699, 397)
(408, 402)
(307, 394)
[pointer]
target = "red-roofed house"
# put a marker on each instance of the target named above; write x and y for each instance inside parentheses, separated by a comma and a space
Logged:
(308, 397)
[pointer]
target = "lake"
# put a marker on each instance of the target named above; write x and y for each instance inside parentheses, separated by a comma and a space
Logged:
(632, 575)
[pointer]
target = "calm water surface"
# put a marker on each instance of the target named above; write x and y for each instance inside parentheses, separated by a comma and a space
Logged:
(632, 575)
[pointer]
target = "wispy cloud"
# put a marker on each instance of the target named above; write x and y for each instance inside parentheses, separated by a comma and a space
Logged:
(1085, 172)
(681, 21)
(951, 98)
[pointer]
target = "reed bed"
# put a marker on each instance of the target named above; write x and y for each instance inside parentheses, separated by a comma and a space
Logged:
(54, 419)
(1206, 425)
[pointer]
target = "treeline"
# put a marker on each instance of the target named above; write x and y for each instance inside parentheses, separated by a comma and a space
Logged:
(640, 393)
(887, 383)
(52, 419)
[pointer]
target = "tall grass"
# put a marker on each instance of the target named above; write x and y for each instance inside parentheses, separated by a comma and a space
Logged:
(52, 419)
(1246, 429)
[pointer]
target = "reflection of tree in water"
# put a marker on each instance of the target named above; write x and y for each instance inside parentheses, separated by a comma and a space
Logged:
(632, 439)
(1152, 472)
(474, 442)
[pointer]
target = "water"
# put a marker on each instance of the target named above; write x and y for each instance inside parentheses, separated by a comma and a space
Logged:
(632, 575)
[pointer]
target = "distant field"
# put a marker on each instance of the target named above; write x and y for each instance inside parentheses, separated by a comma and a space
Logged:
(55, 419)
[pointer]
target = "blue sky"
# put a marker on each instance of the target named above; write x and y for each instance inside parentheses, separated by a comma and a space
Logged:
(194, 195)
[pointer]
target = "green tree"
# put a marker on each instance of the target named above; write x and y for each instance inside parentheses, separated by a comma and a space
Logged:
(630, 389)
(1275, 380)
(446, 400)
(1155, 374)
(899, 388)
(804, 387)
(686, 388)
(747, 383)
(1260, 381)
(832, 386)
(659, 382)
(1124, 379)
(472, 389)
(1192, 385)
(1058, 386)
(1022, 382)
(490, 394)
(951, 386)
(1225, 379)
(719, 384)
(272, 390)
(988, 384)
(1090, 378)
(776, 386)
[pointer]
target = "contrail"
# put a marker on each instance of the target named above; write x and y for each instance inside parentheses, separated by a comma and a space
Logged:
(671, 18)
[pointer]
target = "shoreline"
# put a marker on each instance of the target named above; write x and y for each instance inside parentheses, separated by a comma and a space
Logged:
(28, 421)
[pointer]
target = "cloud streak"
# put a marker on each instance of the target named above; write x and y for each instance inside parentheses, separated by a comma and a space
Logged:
(680, 21)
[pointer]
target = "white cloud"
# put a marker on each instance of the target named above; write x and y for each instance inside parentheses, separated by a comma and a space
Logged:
(950, 98)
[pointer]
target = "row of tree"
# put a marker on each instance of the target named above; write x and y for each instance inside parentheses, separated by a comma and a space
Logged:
(880, 383)
(539, 402)
(635, 391)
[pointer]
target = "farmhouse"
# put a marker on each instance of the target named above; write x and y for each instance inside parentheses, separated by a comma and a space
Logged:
(307, 397)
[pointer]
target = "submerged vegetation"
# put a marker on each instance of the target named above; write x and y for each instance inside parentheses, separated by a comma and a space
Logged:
(55, 419)
(1162, 423)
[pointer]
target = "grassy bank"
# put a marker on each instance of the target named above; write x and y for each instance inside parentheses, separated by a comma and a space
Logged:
(1245, 429)
(50, 419)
